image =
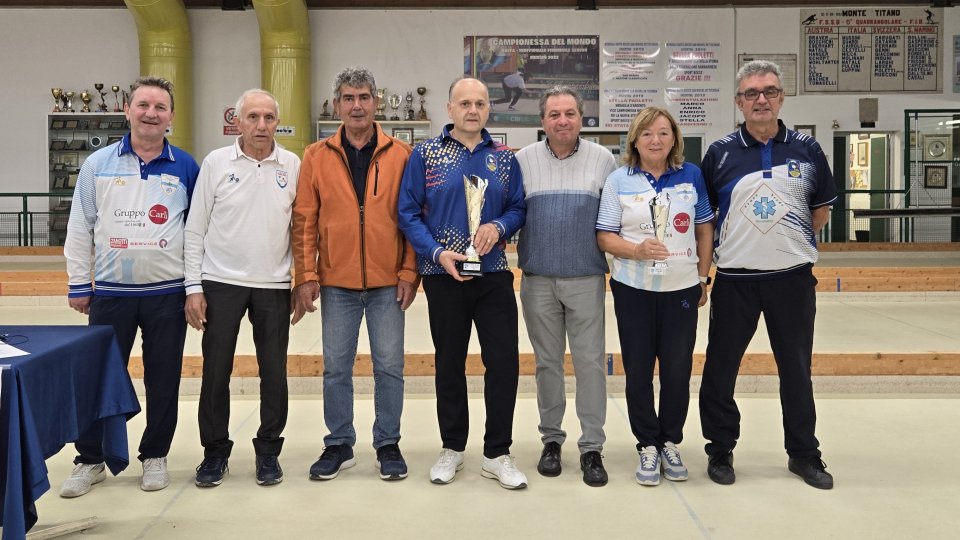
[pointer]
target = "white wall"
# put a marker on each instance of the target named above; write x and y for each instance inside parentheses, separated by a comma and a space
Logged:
(74, 48)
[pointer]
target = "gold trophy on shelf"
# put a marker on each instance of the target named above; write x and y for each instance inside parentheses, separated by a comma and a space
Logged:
(85, 97)
(57, 94)
(102, 107)
(474, 188)
(421, 90)
(660, 212)
(116, 98)
(408, 108)
(381, 104)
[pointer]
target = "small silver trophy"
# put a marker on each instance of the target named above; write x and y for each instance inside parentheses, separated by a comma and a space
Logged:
(660, 212)
(474, 189)
(395, 100)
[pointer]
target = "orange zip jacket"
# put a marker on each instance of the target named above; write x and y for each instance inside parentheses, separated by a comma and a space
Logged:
(339, 241)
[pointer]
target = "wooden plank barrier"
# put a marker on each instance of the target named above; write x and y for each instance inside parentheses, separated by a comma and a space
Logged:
(836, 364)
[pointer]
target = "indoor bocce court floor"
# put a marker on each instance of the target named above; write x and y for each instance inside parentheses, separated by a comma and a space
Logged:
(887, 390)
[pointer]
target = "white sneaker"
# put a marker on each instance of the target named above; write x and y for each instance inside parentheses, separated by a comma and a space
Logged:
(504, 469)
(446, 467)
(155, 475)
(648, 471)
(82, 479)
(671, 464)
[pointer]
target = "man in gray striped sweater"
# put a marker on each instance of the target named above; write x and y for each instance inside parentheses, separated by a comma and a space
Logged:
(562, 290)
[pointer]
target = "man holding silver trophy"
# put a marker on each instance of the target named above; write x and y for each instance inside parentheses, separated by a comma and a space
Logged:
(461, 190)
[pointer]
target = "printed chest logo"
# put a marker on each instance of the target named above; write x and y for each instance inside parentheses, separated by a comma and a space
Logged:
(681, 222)
(793, 168)
(764, 209)
(282, 179)
(158, 214)
(684, 192)
(169, 183)
(232, 179)
(491, 163)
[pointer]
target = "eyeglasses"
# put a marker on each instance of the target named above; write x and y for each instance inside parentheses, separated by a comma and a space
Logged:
(752, 94)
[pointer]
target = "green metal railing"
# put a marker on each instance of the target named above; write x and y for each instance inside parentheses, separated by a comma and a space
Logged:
(28, 226)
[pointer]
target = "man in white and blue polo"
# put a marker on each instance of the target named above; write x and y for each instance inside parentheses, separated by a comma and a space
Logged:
(126, 226)
(772, 188)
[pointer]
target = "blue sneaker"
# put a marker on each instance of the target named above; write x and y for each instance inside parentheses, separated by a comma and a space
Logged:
(672, 466)
(648, 471)
(210, 472)
(333, 459)
(390, 463)
(268, 470)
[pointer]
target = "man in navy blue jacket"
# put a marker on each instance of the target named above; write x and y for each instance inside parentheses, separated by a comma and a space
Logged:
(433, 216)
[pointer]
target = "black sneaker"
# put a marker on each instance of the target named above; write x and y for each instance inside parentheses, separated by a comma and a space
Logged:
(390, 463)
(332, 461)
(812, 470)
(720, 469)
(210, 472)
(550, 460)
(592, 466)
(268, 471)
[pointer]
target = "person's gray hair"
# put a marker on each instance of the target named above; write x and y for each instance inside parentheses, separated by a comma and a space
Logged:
(238, 108)
(560, 90)
(354, 77)
(756, 67)
(156, 82)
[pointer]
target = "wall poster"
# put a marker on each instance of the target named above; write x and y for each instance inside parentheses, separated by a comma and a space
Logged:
(871, 50)
(517, 69)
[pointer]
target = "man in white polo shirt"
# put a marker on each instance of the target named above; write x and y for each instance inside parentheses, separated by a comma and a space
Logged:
(237, 259)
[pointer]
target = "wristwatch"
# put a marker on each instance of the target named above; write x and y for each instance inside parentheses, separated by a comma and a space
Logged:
(706, 280)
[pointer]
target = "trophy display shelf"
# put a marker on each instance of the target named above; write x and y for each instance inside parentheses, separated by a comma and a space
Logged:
(71, 138)
(420, 129)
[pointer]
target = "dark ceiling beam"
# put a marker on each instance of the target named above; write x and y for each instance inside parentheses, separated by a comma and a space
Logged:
(490, 4)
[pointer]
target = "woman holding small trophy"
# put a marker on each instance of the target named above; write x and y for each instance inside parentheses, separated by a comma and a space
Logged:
(656, 221)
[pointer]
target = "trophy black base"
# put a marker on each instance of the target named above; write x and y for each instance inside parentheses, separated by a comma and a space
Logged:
(469, 268)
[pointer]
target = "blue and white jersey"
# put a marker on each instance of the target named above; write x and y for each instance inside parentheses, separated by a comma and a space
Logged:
(432, 206)
(764, 195)
(625, 210)
(131, 214)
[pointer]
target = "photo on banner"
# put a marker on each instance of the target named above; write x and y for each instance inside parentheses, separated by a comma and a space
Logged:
(517, 69)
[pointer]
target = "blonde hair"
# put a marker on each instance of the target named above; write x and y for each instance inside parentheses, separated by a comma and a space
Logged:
(641, 122)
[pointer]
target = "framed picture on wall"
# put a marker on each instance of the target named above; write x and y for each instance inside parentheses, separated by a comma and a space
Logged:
(806, 130)
(937, 148)
(70, 160)
(935, 176)
(863, 156)
(404, 134)
(499, 137)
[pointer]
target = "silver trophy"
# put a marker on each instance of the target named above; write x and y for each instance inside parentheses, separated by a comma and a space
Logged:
(660, 212)
(474, 189)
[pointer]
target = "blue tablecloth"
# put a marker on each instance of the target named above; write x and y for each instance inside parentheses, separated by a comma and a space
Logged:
(74, 376)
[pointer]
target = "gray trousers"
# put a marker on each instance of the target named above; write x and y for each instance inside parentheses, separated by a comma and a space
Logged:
(555, 308)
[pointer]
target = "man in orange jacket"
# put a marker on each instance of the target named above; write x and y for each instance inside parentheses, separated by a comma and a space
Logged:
(349, 252)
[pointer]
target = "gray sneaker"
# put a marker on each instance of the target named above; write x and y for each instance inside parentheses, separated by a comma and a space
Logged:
(82, 479)
(155, 475)
(648, 471)
(671, 464)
